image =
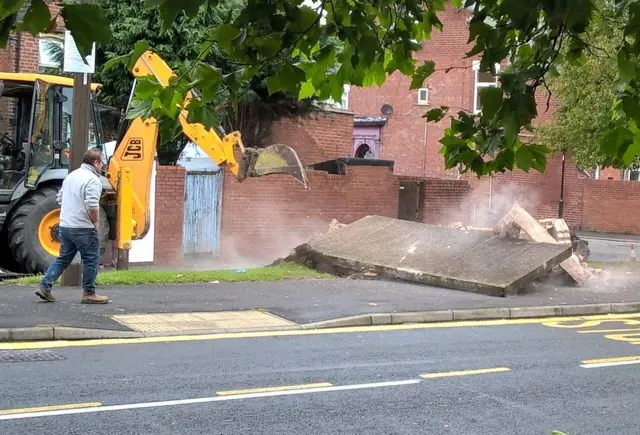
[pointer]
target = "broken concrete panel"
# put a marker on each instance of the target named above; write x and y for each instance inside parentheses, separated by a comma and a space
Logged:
(532, 228)
(558, 229)
(465, 260)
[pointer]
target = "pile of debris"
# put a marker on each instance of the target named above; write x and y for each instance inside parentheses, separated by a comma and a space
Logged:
(518, 224)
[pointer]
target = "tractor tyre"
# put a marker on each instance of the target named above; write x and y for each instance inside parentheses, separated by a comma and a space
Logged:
(33, 230)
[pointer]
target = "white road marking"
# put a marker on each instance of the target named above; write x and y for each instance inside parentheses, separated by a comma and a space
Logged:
(205, 400)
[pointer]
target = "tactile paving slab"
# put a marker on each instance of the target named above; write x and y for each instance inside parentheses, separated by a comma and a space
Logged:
(185, 322)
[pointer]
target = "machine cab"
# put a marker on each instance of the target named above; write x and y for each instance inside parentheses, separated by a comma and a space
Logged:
(35, 127)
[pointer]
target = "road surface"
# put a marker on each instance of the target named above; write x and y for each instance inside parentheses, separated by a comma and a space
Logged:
(491, 377)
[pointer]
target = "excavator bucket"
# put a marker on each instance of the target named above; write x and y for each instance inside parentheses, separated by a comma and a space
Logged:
(278, 159)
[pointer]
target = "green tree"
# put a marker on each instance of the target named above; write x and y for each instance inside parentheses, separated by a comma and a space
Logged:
(585, 94)
(377, 39)
(252, 112)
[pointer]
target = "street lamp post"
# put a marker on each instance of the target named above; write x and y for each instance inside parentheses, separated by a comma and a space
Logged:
(561, 202)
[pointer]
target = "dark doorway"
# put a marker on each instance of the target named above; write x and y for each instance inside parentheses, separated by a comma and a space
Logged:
(411, 201)
(364, 152)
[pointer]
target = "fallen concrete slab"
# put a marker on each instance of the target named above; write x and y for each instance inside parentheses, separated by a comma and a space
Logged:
(473, 261)
(522, 220)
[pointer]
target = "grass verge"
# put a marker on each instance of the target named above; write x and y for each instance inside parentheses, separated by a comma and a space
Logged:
(280, 272)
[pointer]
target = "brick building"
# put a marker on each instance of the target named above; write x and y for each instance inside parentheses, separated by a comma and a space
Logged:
(388, 124)
(28, 54)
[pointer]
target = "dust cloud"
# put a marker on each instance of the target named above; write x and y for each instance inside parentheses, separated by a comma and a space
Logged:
(273, 237)
(488, 201)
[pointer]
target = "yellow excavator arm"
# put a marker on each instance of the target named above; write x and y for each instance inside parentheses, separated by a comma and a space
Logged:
(130, 168)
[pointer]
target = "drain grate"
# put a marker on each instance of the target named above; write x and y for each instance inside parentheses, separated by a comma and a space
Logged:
(9, 356)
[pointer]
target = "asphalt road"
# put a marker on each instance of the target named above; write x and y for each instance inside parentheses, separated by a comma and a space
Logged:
(364, 381)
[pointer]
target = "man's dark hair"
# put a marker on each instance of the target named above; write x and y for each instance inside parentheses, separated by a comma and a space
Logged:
(92, 155)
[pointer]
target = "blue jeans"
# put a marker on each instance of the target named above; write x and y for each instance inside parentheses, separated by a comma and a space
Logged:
(73, 240)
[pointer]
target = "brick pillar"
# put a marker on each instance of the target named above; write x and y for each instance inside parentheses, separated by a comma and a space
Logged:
(169, 215)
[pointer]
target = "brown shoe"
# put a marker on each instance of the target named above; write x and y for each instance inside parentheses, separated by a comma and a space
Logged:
(89, 298)
(45, 295)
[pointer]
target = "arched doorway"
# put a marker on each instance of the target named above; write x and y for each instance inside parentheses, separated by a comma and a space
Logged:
(364, 151)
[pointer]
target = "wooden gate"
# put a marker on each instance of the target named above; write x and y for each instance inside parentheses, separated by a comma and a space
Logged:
(411, 200)
(202, 214)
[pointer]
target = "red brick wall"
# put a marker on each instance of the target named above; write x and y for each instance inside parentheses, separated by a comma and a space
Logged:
(264, 218)
(610, 174)
(445, 201)
(7, 62)
(169, 215)
(611, 206)
(321, 137)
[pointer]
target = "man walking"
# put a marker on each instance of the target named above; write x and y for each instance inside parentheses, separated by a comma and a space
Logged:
(79, 200)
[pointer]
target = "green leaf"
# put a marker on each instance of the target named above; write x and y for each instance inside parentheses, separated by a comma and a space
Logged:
(435, 115)
(626, 67)
(510, 123)
(306, 90)
(201, 114)
(631, 153)
(36, 19)
(5, 29)
(524, 158)
(278, 22)
(169, 9)
(616, 141)
(421, 74)
(10, 7)
(169, 131)
(224, 34)
(87, 24)
(452, 142)
(139, 109)
(207, 79)
(130, 58)
(273, 84)
(491, 100)
(139, 49)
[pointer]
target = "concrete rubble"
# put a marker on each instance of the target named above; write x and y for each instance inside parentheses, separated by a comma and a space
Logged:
(495, 261)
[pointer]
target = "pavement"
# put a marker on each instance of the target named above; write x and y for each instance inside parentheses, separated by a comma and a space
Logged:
(294, 304)
(520, 377)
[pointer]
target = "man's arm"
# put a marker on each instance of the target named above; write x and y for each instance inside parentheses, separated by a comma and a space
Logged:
(92, 194)
(59, 197)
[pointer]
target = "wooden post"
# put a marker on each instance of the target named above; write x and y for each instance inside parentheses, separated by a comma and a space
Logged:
(80, 113)
(122, 260)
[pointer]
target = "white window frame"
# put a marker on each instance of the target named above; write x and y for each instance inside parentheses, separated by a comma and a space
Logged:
(423, 101)
(477, 84)
(42, 41)
(627, 174)
(344, 100)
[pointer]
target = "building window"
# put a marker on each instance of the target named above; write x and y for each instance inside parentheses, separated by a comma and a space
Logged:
(482, 80)
(632, 174)
(423, 96)
(50, 52)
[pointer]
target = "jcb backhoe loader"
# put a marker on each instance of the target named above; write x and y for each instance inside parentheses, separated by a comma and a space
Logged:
(35, 132)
